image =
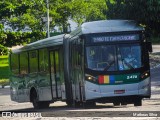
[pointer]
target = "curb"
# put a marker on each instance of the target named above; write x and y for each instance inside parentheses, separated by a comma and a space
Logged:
(5, 86)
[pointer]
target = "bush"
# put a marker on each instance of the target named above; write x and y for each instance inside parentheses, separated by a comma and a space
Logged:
(4, 82)
(3, 50)
(21, 38)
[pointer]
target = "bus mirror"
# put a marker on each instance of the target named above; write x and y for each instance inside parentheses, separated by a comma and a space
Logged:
(149, 46)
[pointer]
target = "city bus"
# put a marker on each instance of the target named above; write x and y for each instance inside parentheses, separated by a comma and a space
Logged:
(103, 61)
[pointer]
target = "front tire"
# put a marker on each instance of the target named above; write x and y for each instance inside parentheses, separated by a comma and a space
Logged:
(37, 104)
(89, 104)
(138, 102)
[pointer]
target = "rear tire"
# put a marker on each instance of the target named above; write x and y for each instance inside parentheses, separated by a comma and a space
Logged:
(36, 103)
(34, 100)
(44, 104)
(116, 103)
(123, 103)
(138, 102)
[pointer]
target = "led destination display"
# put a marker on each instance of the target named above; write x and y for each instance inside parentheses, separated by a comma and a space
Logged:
(112, 38)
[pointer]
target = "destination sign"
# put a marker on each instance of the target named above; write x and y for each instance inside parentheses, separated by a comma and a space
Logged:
(96, 39)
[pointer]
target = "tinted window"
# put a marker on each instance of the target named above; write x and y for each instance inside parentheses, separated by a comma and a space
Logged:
(24, 63)
(129, 57)
(105, 57)
(101, 58)
(43, 60)
(15, 63)
(33, 61)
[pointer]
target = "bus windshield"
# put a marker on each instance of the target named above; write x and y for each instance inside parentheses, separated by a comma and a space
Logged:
(113, 57)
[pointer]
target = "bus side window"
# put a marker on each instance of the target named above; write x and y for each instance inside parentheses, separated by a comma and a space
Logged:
(33, 61)
(43, 60)
(15, 64)
(24, 63)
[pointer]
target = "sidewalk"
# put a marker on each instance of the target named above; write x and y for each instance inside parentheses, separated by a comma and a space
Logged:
(5, 86)
(156, 48)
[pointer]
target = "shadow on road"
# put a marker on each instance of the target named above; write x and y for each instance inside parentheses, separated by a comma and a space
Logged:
(62, 108)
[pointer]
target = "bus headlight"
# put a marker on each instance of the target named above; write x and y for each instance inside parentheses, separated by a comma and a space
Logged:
(145, 75)
(90, 77)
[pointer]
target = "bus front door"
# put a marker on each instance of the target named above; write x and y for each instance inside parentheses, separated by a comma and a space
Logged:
(54, 75)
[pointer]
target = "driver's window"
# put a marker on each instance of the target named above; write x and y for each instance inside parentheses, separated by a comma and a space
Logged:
(101, 58)
(129, 57)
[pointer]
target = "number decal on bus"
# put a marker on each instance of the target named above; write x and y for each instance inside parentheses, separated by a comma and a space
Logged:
(132, 77)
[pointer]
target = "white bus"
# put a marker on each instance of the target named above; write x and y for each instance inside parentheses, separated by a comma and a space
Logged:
(102, 61)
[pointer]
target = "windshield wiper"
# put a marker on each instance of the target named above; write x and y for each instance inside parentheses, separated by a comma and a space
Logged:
(128, 64)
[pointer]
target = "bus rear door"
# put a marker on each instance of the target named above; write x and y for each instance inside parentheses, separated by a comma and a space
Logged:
(55, 74)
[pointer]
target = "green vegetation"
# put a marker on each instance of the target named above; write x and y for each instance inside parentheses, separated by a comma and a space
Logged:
(145, 12)
(20, 14)
(155, 39)
(4, 71)
(4, 82)
(3, 50)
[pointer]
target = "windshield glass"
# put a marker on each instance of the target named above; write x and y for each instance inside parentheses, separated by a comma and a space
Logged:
(129, 57)
(101, 58)
(113, 58)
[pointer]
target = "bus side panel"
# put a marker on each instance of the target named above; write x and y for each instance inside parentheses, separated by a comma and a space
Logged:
(19, 92)
(23, 95)
(44, 88)
(92, 91)
(145, 87)
(14, 88)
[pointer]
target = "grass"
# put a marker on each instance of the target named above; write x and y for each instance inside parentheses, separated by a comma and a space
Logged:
(4, 70)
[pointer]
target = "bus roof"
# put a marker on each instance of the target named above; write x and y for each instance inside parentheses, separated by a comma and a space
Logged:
(103, 26)
(47, 42)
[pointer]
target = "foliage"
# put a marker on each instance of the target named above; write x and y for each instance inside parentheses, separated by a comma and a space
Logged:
(90, 10)
(3, 50)
(2, 34)
(4, 82)
(20, 14)
(145, 12)
(21, 38)
(23, 14)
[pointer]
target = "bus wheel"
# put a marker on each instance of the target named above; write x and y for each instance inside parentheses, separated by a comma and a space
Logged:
(69, 103)
(34, 99)
(123, 103)
(44, 104)
(116, 103)
(89, 104)
(138, 102)
(77, 104)
(36, 103)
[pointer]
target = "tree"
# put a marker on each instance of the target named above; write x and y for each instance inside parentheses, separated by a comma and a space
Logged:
(2, 34)
(145, 12)
(89, 10)
(20, 14)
